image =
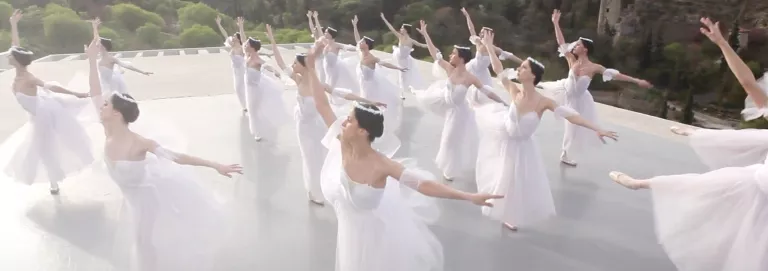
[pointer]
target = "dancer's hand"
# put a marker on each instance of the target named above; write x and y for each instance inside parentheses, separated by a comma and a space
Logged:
(483, 198)
(380, 104)
(309, 14)
(269, 32)
(644, 84)
(609, 134)
(382, 16)
(15, 17)
(314, 14)
(147, 73)
(227, 170)
(487, 37)
(218, 19)
(403, 69)
(422, 27)
(95, 23)
(556, 16)
(465, 12)
(712, 31)
(354, 20)
(240, 23)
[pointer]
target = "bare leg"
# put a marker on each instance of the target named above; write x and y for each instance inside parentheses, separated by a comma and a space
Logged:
(629, 182)
(681, 131)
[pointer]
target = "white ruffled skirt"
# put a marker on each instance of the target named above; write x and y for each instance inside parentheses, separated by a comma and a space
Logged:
(266, 108)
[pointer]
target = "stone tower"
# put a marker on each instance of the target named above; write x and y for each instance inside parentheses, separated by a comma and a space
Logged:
(610, 11)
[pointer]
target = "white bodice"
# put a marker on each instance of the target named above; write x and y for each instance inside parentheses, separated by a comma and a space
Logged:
(483, 61)
(576, 86)
(521, 126)
(252, 77)
(455, 94)
(361, 196)
(238, 63)
(366, 73)
(128, 174)
(29, 103)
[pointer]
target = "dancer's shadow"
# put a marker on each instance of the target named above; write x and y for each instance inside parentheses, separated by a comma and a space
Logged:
(81, 223)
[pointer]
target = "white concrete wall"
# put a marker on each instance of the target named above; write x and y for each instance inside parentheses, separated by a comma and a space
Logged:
(4, 61)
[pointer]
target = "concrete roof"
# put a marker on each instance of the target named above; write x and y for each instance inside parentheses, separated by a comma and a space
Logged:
(600, 226)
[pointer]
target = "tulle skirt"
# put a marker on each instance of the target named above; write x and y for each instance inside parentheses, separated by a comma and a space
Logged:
(714, 221)
(54, 144)
(410, 79)
(266, 109)
(575, 138)
(310, 130)
(730, 148)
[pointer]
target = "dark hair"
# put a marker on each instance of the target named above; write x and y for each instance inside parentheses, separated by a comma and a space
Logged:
(106, 43)
(370, 122)
(237, 36)
(408, 29)
(302, 59)
(369, 42)
(331, 32)
(537, 70)
(129, 109)
(464, 53)
(21, 55)
(254, 43)
(589, 45)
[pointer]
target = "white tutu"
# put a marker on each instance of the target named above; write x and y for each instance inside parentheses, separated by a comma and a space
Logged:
(266, 109)
(730, 148)
(512, 166)
(379, 229)
(410, 79)
(112, 79)
(339, 75)
(238, 72)
(716, 221)
(572, 92)
(458, 142)
(310, 130)
(54, 144)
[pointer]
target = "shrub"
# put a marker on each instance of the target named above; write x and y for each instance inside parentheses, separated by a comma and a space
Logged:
(199, 36)
(202, 14)
(117, 42)
(172, 43)
(150, 34)
(54, 9)
(5, 39)
(133, 17)
(67, 34)
(6, 10)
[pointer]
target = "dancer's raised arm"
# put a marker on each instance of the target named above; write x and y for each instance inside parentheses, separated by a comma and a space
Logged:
(14, 20)
(390, 27)
(740, 69)
(498, 67)
(318, 27)
(433, 51)
(354, 29)
(470, 25)
(312, 29)
(92, 51)
(560, 39)
(278, 57)
(318, 89)
(221, 28)
(240, 27)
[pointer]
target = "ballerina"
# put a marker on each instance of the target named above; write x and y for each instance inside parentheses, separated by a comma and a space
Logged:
(266, 110)
(376, 230)
(409, 79)
(517, 170)
(53, 141)
(309, 126)
(716, 220)
(373, 84)
(447, 98)
(174, 220)
(110, 74)
(575, 93)
(235, 45)
(480, 64)
(317, 33)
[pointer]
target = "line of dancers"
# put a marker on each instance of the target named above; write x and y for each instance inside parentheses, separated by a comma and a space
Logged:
(347, 117)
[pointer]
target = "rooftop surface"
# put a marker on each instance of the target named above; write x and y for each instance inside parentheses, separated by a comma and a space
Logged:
(600, 226)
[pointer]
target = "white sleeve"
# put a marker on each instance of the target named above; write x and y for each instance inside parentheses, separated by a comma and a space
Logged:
(565, 112)
(161, 152)
(475, 40)
(565, 48)
(411, 178)
(506, 55)
(608, 74)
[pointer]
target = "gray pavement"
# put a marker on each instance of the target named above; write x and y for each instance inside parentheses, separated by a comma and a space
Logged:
(600, 226)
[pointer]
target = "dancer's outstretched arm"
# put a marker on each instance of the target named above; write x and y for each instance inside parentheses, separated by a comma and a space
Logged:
(559, 36)
(186, 159)
(318, 27)
(14, 20)
(349, 96)
(389, 65)
(574, 117)
(390, 27)
(436, 55)
(470, 25)
(735, 63)
(221, 28)
(432, 188)
(354, 29)
(318, 90)
(623, 77)
(128, 66)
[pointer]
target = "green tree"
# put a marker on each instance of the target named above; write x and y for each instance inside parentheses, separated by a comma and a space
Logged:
(132, 17)
(150, 34)
(199, 36)
(201, 14)
(6, 10)
(66, 34)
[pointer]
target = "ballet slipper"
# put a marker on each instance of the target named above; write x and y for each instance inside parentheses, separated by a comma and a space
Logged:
(680, 131)
(623, 180)
(447, 178)
(313, 200)
(510, 226)
(564, 159)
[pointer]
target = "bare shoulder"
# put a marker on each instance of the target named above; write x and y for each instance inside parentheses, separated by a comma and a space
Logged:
(548, 103)
(145, 143)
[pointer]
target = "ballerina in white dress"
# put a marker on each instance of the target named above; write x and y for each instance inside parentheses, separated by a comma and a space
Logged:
(309, 126)
(110, 72)
(266, 109)
(411, 78)
(480, 64)
(317, 33)
(377, 230)
(731, 148)
(373, 84)
(448, 98)
(515, 169)
(53, 144)
(574, 91)
(715, 221)
(176, 223)
(235, 45)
